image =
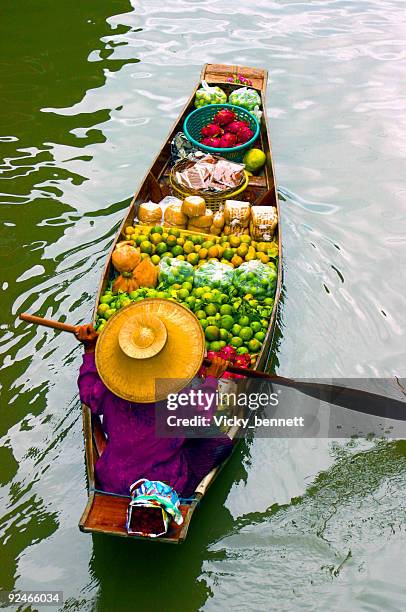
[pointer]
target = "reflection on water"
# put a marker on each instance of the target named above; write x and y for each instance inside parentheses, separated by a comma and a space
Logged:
(89, 93)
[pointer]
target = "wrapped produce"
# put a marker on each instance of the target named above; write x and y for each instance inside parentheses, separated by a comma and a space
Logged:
(216, 231)
(237, 213)
(194, 206)
(209, 95)
(174, 215)
(198, 230)
(255, 278)
(149, 213)
(215, 274)
(203, 221)
(209, 173)
(264, 220)
(125, 257)
(146, 274)
(173, 271)
(218, 219)
(246, 98)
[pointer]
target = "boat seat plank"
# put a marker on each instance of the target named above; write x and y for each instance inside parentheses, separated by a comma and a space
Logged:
(218, 73)
(108, 515)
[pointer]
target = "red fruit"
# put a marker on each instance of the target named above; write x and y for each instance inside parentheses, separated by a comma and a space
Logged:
(224, 117)
(244, 134)
(211, 142)
(228, 140)
(243, 361)
(228, 353)
(211, 355)
(211, 130)
(234, 126)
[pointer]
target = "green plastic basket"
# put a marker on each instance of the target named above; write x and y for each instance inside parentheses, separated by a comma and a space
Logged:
(200, 117)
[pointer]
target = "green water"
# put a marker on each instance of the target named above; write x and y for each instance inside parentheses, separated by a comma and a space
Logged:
(89, 91)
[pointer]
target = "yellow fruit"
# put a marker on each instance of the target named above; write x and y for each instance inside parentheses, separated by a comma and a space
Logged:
(235, 241)
(262, 257)
(254, 159)
(213, 251)
(237, 261)
(202, 253)
(188, 247)
(197, 248)
(242, 250)
(180, 241)
(250, 256)
(193, 258)
(226, 244)
(129, 230)
(262, 247)
(155, 238)
(171, 240)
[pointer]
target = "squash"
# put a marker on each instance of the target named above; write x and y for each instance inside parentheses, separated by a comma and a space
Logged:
(125, 282)
(125, 257)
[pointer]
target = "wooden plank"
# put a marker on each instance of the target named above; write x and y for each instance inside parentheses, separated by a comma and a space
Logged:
(219, 73)
(107, 514)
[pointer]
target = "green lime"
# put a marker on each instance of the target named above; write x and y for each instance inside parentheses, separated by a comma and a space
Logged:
(246, 333)
(212, 333)
(191, 301)
(242, 350)
(268, 301)
(189, 247)
(255, 326)
(187, 285)
(102, 309)
(106, 298)
(227, 322)
(161, 248)
(200, 314)
(146, 247)
(211, 309)
(204, 323)
(208, 296)
(212, 320)
(260, 336)
(141, 238)
(174, 232)
(226, 309)
(192, 258)
(207, 244)
(236, 341)
(157, 229)
(215, 346)
(134, 294)
(109, 313)
(177, 250)
(171, 240)
(224, 334)
(223, 298)
(254, 345)
(155, 259)
(244, 321)
(183, 294)
(228, 254)
(198, 292)
(126, 301)
(254, 159)
(222, 343)
(235, 329)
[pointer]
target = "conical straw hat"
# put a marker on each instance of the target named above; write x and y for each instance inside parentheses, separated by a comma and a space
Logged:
(149, 349)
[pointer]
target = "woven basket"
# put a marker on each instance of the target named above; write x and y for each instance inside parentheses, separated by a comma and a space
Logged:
(202, 116)
(214, 199)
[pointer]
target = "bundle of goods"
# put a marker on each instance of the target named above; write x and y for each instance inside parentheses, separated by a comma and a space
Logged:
(237, 217)
(246, 98)
(209, 95)
(207, 174)
(150, 213)
(174, 217)
(264, 220)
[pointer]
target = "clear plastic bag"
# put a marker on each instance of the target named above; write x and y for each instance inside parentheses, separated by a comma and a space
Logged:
(214, 274)
(173, 271)
(255, 278)
(246, 98)
(209, 95)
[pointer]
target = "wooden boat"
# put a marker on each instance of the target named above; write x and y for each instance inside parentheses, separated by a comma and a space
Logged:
(106, 513)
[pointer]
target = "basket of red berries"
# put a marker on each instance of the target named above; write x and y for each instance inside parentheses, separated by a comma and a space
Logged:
(222, 129)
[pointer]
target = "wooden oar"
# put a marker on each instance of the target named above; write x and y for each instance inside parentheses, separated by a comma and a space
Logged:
(353, 399)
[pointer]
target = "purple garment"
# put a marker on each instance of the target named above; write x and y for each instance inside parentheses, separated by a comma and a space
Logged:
(134, 452)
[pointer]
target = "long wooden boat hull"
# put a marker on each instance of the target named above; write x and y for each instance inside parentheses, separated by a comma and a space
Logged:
(106, 513)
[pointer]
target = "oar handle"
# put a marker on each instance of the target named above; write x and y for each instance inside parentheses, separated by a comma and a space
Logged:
(48, 323)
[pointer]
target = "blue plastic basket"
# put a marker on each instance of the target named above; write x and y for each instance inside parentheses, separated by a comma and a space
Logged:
(200, 117)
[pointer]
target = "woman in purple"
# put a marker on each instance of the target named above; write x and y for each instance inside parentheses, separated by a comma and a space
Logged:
(133, 451)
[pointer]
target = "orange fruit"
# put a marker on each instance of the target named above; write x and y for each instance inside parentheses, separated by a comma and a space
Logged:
(213, 251)
(237, 261)
(202, 253)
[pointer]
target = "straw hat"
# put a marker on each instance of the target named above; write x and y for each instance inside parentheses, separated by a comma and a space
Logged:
(149, 349)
